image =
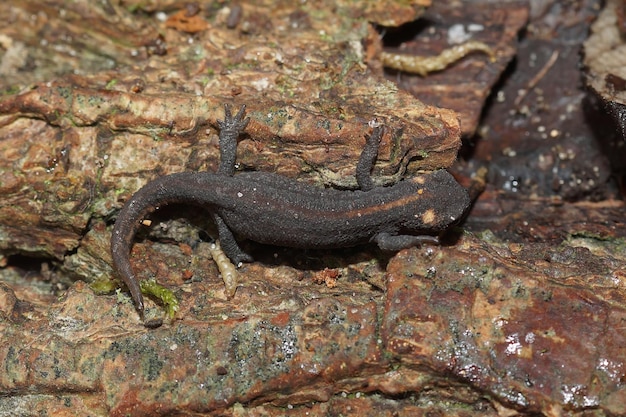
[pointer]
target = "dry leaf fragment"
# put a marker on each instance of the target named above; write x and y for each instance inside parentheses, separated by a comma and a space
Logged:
(185, 21)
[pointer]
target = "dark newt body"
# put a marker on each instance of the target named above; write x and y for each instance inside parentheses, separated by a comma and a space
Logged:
(268, 208)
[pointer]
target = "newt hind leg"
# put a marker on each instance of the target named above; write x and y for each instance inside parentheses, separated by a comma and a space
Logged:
(230, 129)
(229, 244)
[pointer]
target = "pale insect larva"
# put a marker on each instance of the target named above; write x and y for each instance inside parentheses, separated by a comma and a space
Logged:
(229, 273)
(422, 65)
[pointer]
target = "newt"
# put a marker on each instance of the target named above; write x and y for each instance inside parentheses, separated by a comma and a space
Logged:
(271, 209)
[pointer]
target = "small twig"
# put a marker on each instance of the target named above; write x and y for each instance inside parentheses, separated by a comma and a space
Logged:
(478, 184)
(535, 80)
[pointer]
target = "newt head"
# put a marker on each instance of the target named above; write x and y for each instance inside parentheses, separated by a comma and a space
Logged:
(439, 202)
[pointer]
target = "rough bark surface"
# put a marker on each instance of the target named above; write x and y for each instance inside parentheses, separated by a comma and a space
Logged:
(520, 311)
